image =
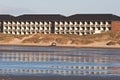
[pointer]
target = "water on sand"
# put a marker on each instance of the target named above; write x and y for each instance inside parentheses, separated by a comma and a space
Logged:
(59, 61)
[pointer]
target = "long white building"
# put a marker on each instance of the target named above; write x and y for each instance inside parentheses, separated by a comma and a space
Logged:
(81, 24)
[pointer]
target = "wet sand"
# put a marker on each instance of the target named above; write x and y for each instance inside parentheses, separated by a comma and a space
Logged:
(65, 46)
(59, 78)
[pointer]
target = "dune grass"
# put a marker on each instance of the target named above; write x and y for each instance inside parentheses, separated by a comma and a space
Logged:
(6, 37)
(112, 37)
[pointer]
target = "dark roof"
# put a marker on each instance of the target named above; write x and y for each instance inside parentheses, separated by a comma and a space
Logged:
(115, 18)
(93, 17)
(57, 17)
(41, 17)
(6, 17)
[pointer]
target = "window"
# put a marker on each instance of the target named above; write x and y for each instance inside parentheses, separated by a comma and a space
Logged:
(83, 28)
(47, 28)
(73, 28)
(68, 28)
(72, 32)
(104, 28)
(58, 28)
(83, 33)
(87, 32)
(33, 27)
(98, 28)
(42, 28)
(93, 28)
(62, 32)
(109, 28)
(77, 33)
(67, 32)
(63, 28)
(88, 28)
(57, 32)
(47, 32)
(78, 28)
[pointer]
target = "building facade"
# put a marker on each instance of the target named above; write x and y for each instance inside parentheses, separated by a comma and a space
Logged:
(80, 24)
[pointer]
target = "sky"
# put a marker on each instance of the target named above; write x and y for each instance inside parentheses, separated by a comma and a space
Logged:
(64, 7)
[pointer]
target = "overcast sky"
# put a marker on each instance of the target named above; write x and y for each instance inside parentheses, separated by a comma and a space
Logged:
(64, 7)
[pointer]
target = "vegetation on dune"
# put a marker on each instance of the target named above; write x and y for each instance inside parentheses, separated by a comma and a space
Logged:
(113, 42)
(38, 38)
(31, 40)
(19, 36)
(6, 37)
(62, 40)
(113, 38)
(77, 39)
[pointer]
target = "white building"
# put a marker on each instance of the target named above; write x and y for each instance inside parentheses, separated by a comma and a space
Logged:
(80, 24)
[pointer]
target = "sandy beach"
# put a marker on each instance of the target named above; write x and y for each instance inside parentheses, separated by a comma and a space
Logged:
(92, 45)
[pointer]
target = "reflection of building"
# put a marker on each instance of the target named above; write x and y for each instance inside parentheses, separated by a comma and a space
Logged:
(77, 64)
(47, 56)
(81, 24)
(60, 70)
(115, 70)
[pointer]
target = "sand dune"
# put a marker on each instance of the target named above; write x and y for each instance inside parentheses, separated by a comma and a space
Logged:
(107, 39)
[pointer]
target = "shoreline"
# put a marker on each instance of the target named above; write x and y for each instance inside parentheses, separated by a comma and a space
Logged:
(60, 78)
(60, 45)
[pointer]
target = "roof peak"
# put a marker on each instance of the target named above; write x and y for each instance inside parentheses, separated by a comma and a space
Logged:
(59, 17)
(40, 15)
(58, 14)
